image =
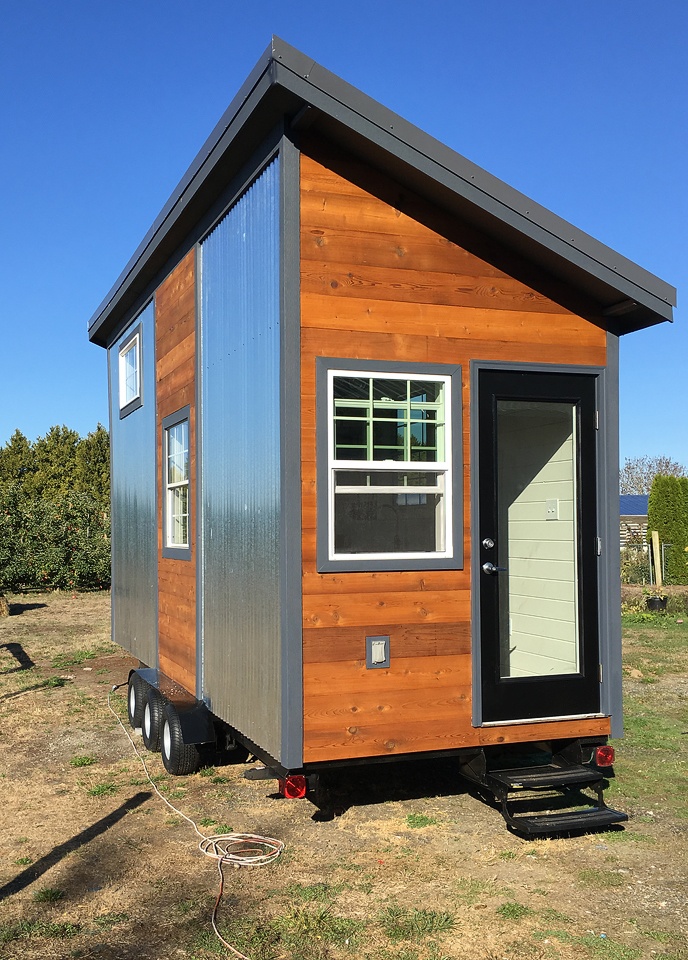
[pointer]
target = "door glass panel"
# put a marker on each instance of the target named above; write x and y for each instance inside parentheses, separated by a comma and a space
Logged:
(537, 519)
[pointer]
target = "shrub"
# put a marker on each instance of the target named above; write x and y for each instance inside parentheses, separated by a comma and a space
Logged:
(57, 543)
(668, 514)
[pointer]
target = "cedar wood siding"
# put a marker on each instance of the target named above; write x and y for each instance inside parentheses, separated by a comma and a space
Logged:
(175, 365)
(381, 280)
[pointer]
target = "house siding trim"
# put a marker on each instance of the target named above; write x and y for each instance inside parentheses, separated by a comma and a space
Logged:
(290, 443)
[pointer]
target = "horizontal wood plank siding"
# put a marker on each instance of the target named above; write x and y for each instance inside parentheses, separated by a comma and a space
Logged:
(175, 328)
(386, 277)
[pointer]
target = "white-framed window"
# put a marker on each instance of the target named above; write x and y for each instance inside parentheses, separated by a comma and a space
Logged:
(130, 393)
(389, 474)
(176, 483)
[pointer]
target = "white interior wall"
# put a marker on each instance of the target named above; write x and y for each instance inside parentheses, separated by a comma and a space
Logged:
(536, 444)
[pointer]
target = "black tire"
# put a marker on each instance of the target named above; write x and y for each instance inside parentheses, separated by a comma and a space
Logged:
(179, 758)
(136, 699)
(151, 726)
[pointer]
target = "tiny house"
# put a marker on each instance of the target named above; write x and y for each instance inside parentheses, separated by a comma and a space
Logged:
(364, 404)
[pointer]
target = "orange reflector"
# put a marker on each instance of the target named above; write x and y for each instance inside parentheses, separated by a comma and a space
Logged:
(294, 787)
(604, 756)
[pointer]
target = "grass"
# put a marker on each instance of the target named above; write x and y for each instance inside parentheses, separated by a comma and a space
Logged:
(599, 946)
(314, 892)
(383, 889)
(103, 790)
(400, 923)
(26, 929)
(513, 911)
(417, 820)
(314, 923)
(602, 879)
(48, 895)
(655, 645)
(107, 921)
(470, 890)
(76, 657)
(84, 761)
(302, 933)
(651, 758)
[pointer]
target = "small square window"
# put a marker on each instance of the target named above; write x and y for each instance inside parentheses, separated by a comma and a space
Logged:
(130, 366)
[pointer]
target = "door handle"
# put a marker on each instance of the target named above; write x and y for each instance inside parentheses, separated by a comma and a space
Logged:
(491, 569)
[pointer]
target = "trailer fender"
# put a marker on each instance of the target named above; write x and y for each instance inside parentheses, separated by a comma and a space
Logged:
(195, 720)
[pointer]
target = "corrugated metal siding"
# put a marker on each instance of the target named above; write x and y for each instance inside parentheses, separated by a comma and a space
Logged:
(240, 437)
(134, 531)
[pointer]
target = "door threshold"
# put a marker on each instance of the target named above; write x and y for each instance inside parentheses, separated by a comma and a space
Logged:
(572, 716)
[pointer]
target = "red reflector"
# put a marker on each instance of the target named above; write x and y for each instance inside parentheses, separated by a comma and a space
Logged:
(604, 756)
(294, 787)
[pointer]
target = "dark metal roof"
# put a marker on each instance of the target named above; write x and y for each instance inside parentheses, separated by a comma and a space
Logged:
(282, 87)
(633, 505)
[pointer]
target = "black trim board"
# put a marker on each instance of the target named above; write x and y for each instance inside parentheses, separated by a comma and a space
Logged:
(291, 722)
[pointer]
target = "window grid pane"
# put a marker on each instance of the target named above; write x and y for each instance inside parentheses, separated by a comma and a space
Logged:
(177, 484)
(129, 373)
(404, 419)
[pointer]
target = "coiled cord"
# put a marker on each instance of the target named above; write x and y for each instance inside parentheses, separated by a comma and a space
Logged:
(238, 849)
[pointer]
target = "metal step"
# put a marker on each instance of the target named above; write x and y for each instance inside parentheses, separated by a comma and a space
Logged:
(590, 819)
(546, 775)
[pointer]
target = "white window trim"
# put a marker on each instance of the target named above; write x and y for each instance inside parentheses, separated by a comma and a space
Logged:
(169, 549)
(132, 343)
(444, 468)
(170, 487)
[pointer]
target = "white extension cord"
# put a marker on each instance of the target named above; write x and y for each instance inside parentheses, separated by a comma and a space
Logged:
(238, 849)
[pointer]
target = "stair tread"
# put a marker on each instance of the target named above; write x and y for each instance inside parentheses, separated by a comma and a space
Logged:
(546, 775)
(569, 820)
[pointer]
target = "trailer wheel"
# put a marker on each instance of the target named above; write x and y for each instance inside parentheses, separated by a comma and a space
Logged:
(151, 726)
(178, 757)
(136, 699)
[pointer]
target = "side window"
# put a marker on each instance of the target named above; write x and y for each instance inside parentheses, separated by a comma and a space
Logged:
(176, 486)
(386, 466)
(130, 368)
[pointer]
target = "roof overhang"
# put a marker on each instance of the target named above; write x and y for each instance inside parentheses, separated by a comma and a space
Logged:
(286, 87)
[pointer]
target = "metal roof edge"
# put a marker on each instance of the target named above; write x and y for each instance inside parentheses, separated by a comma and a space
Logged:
(284, 66)
(220, 128)
(479, 186)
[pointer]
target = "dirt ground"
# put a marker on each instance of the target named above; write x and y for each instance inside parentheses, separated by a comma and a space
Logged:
(414, 866)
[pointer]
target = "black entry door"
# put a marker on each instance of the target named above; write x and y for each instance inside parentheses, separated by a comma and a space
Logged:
(537, 543)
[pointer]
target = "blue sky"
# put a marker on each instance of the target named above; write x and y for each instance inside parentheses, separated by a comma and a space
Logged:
(582, 105)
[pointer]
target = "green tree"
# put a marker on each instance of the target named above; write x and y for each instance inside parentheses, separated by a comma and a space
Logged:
(637, 473)
(55, 462)
(13, 539)
(55, 511)
(93, 465)
(17, 463)
(668, 515)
